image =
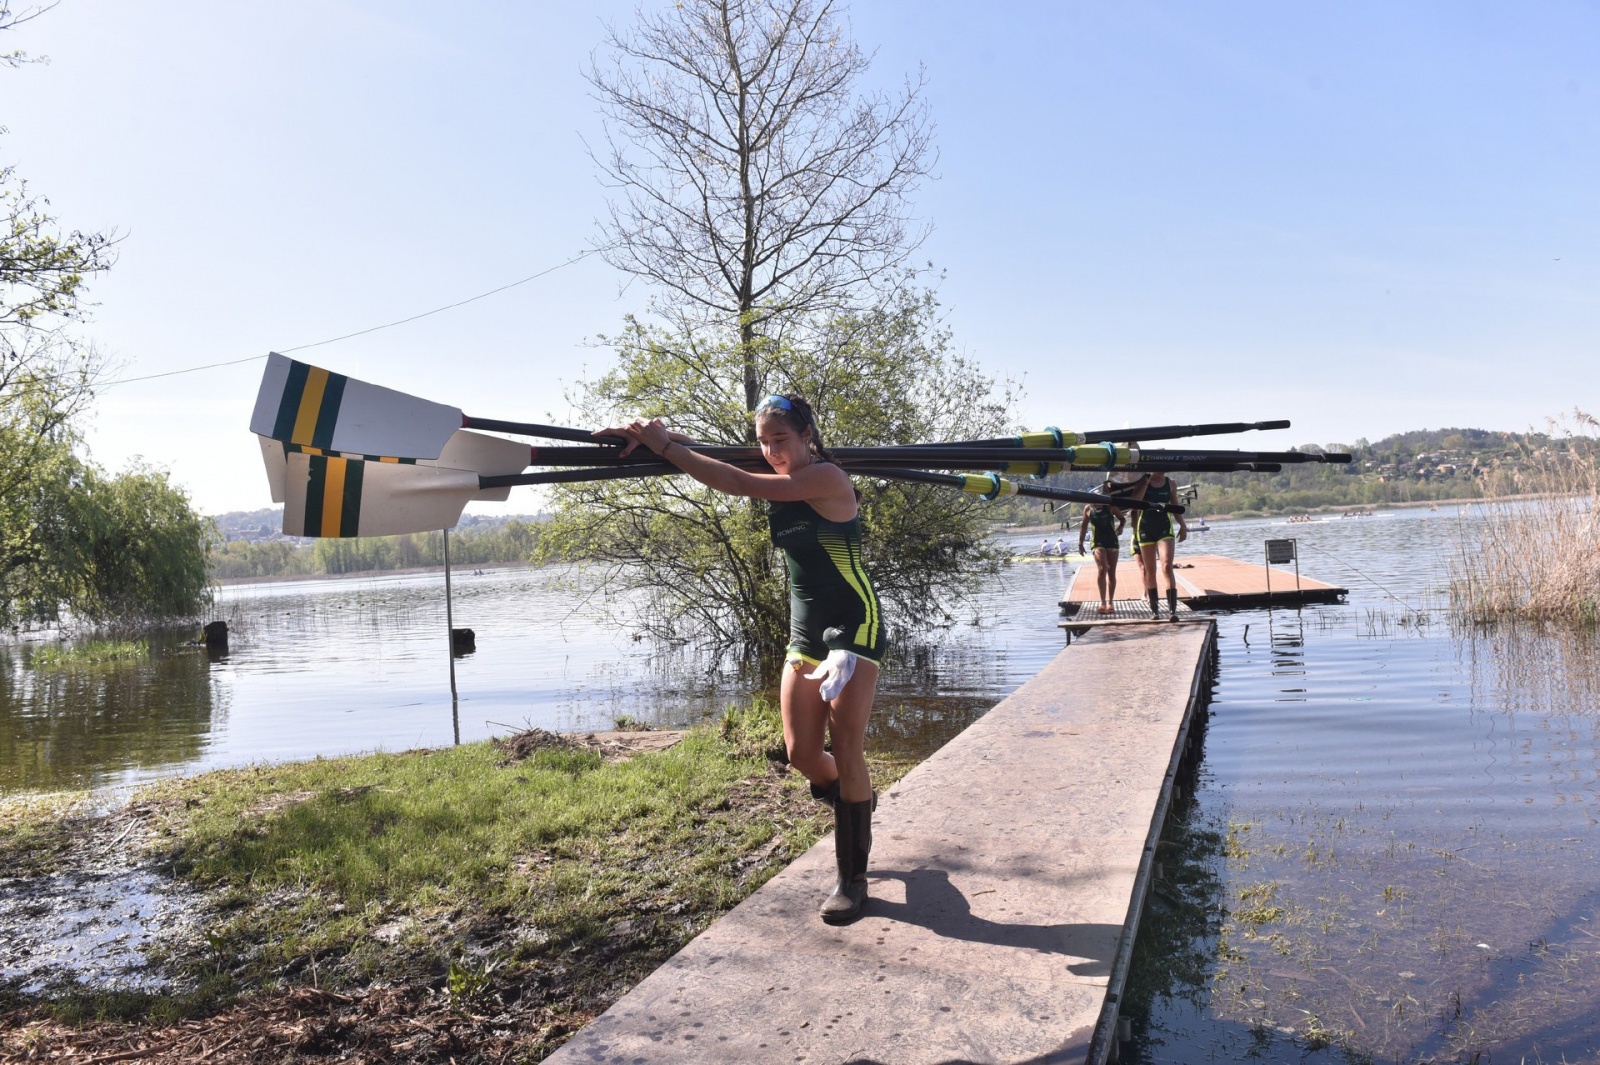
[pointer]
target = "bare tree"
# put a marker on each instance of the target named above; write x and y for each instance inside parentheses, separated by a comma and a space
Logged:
(758, 186)
(10, 19)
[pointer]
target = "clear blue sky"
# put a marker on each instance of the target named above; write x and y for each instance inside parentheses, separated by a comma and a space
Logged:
(1365, 217)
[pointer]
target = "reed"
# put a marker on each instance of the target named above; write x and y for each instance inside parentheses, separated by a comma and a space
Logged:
(1533, 551)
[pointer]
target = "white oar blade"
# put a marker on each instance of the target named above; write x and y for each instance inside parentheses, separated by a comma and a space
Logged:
(487, 455)
(277, 462)
(303, 404)
(469, 453)
(331, 496)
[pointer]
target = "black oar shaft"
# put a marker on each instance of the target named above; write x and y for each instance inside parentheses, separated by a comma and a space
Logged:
(1116, 436)
(576, 476)
(1123, 436)
(657, 469)
(544, 432)
(929, 455)
(1177, 432)
(1010, 487)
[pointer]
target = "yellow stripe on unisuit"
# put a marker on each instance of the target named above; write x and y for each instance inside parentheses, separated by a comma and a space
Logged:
(333, 496)
(305, 421)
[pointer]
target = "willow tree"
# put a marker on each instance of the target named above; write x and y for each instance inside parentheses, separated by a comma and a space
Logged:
(105, 548)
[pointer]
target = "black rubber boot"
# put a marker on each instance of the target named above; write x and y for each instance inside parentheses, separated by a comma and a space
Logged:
(852, 844)
(1155, 603)
(1172, 602)
(827, 794)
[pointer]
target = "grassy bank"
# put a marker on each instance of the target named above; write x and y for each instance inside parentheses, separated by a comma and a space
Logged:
(477, 903)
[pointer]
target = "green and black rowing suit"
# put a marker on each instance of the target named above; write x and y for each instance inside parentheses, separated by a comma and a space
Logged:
(828, 586)
(1103, 527)
(1151, 526)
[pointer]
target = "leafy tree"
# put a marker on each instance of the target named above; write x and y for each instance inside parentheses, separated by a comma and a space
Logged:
(703, 560)
(138, 549)
(768, 202)
(70, 536)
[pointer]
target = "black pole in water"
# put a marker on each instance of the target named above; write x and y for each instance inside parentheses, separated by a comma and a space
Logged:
(450, 641)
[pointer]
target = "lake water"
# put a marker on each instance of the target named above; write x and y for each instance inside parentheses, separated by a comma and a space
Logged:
(1385, 855)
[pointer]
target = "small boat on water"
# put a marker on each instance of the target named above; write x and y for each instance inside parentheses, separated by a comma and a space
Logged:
(1199, 525)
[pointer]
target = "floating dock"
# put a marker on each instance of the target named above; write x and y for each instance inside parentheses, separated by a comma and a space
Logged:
(1008, 876)
(1205, 582)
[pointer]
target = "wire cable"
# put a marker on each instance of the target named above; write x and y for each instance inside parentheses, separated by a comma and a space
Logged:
(360, 332)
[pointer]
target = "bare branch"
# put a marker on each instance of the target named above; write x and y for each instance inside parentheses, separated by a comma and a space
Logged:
(754, 183)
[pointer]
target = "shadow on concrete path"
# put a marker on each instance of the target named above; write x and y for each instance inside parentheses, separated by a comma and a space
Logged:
(934, 903)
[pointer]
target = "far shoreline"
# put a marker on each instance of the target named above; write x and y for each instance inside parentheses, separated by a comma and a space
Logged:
(1015, 530)
(1329, 508)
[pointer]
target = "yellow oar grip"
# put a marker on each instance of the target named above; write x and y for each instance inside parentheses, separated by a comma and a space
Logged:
(1102, 456)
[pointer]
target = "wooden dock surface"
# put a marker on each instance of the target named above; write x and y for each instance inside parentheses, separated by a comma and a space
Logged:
(1205, 582)
(1008, 874)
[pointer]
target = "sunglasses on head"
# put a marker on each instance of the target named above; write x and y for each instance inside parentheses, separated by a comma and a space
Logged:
(780, 402)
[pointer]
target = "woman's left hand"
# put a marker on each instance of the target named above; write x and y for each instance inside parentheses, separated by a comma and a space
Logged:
(623, 432)
(653, 434)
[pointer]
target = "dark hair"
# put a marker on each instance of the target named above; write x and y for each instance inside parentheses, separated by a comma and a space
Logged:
(799, 417)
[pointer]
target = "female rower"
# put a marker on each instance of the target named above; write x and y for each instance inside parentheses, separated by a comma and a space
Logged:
(836, 635)
(1107, 526)
(1153, 535)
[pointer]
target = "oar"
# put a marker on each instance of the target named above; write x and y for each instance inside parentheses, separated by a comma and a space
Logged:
(1016, 460)
(464, 451)
(302, 404)
(993, 486)
(1059, 438)
(566, 475)
(298, 403)
(335, 496)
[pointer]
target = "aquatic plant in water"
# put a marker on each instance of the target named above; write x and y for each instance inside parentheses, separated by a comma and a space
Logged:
(89, 653)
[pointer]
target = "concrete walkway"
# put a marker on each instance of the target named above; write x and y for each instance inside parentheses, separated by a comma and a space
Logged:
(1008, 872)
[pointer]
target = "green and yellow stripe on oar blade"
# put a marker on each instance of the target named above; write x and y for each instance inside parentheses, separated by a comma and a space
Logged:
(466, 451)
(306, 405)
(333, 496)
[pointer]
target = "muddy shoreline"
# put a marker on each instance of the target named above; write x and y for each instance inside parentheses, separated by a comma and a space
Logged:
(152, 966)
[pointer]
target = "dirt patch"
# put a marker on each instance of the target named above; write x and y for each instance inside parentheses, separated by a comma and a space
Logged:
(374, 1025)
(613, 746)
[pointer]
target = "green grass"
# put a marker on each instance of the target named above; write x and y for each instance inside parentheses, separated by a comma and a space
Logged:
(89, 653)
(438, 825)
(543, 886)
(36, 831)
(542, 857)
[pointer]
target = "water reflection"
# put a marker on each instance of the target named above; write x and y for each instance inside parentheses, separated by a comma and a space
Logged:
(1392, 828)
(84, 726)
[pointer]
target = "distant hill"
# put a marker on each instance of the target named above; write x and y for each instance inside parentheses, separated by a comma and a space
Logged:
(267, 524)
(251, 545)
